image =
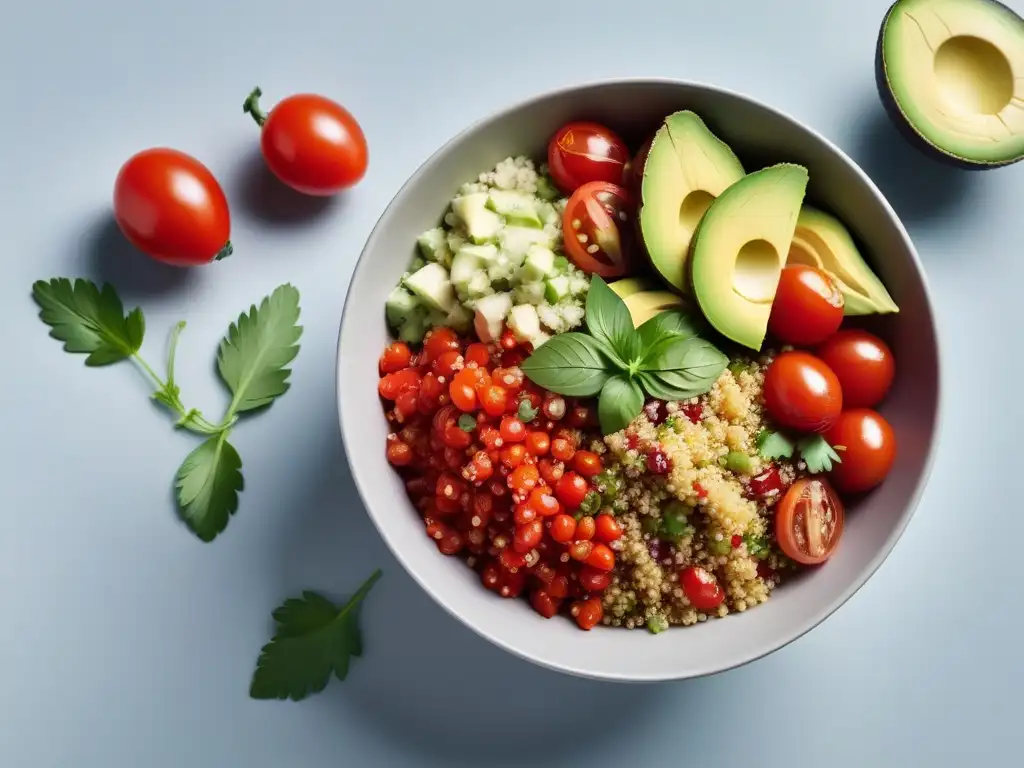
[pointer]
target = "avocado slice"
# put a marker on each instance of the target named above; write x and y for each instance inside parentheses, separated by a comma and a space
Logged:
(643, 305)
(822, 241)
(945, 71)
(740, 248)
(630, 285)
(686, 168)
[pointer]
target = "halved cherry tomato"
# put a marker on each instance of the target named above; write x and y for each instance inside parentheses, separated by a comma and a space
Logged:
(170, 207)
(633, 173)
(583, 152)
(701, 588)
(595, 229)
(809, 521)
(867, 446)
(808, 306)
(312, 144)
(802, 393)
(864, 365)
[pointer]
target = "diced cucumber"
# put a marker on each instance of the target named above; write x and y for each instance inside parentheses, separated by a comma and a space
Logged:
(556, 289)
(469, 260)
(400, 305)
(546, 190)
(490, 316)
(431, 283)
(481, 223)
(433, 245)
(460, 318)
(516, 207)
(540, 263)
(530, 293)
(516, 241)
(479, 285)
(525, 323)
(413, 328)
(501, 268)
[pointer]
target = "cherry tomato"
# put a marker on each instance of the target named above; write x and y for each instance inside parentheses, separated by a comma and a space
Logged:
(588, 613)
(478, 353)
(701, 588)
(608, 528)
(571, 490)
(802, 393)
(397, 356)
(393, 384)
(633, 173)
(586, 527)
(543, 503)
(584, 152)
(864, 364)
(512, 430)
(538, 443)
(563, 449)
(528, 536)
(808, 306)
(399, 453)
(866, 444)
(312, 144)
(438, 341)
(809, 521)
(601, 557)
(170, 207)
(493, 400)
(543, 603)
(587, 463)
(563, 528)
(596, 234)
(593, 580)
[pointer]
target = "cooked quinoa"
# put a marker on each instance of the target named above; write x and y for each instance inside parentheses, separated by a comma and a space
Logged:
(700, 512)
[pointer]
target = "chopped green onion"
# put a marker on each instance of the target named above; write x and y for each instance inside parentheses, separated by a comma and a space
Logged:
(590, 505)
(675, 522)
(467, 423)
(608, 485)
(723, 547)
(649, 524)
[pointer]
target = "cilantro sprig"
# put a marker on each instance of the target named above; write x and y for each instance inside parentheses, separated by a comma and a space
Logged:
(313, 640)
(814, 450)
(252, 362)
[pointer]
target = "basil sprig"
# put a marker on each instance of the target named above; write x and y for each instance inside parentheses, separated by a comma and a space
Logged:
(665, 358)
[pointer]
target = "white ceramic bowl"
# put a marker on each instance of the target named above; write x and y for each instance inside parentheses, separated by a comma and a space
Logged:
(760, 135)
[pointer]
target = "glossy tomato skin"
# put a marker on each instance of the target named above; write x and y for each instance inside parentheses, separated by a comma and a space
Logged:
(811, 507)
(170, 207)
(597, 236)
(701, 588)
(808, 306)
(864, 364)
(867, 445)
(314, 145)
(802, 393)
(582, 152)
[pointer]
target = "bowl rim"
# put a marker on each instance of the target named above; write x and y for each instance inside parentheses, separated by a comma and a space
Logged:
(791, 634)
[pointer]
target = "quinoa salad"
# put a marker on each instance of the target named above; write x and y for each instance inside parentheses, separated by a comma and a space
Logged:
(631, 387)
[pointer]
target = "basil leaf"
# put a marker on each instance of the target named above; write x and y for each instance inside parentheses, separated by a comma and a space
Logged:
(693, 361)
(569, 364)
(665, 325)
(621, 401)
(609, 321)
(657, 387)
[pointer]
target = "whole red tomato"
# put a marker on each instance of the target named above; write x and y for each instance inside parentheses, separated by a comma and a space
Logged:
(312, 144)
(583, 152)
(867, 444)
(864, 364)
(808, 306)
(802, 393)
(171, 208)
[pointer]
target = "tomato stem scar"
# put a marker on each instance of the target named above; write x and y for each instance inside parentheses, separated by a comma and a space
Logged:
(252, 106)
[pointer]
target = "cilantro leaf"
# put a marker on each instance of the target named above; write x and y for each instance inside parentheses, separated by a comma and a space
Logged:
(818, 454)
(313, 639)
(774, 445)
(208, 483)
(256, 349)
(89, 319)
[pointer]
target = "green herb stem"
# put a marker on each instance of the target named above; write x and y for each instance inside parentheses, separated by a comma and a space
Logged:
(252, 106)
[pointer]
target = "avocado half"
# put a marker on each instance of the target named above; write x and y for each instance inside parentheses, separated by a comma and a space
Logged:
(951, 76)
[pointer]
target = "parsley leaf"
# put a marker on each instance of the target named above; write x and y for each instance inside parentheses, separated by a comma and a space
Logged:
(774, 445)
(208, 483)
(817, 454)
(253, 355)
(89, 319)
(313, 639)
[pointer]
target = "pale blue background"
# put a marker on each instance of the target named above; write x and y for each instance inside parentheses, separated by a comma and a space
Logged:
(125, 642)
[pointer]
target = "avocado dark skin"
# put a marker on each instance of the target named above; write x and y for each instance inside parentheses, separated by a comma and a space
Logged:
(903, 125)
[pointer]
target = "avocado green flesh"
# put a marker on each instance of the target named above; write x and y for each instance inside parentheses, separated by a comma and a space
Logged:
(687, 167)
(950, 68)
(821, 241)
(741, 247)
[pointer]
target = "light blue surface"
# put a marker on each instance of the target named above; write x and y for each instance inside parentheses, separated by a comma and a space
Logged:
(127, 642)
